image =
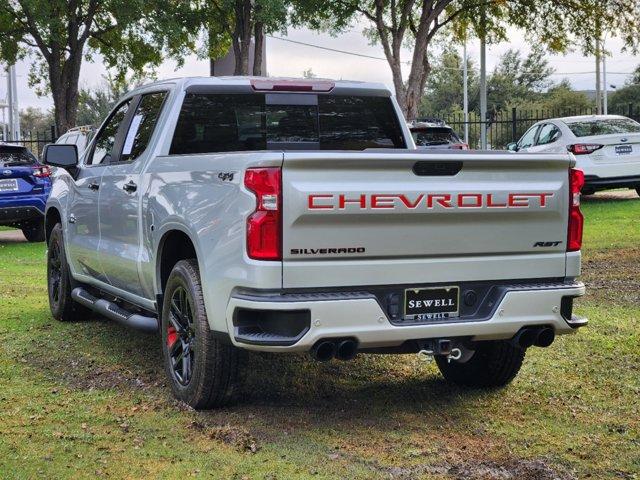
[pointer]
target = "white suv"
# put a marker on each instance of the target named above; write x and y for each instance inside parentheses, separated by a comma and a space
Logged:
(78, 136)
(607, 148)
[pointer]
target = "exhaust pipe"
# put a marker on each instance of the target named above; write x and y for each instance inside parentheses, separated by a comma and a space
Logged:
(525, 338)
(347, 350)
(324, 351)
(545, 337)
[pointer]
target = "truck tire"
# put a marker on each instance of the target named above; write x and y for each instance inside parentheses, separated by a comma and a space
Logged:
(202, 369)
(34, 232)
(60, 283)
(494, 364)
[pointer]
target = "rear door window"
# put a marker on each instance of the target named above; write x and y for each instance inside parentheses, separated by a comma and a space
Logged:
(610, 126)
(210, 123)
(142, 126)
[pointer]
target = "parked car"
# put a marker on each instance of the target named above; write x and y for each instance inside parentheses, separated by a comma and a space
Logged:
(607, 148)
(78, 136)
(435, 134)
(244, 213)
(24, 187)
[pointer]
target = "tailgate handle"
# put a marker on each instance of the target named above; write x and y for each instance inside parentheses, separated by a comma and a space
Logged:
(437, 169)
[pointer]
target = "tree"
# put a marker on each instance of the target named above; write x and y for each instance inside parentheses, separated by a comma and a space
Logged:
(60, 34)
(94, 104)
(562, 100)
(516, 79)
(234, 23)
(35, 121)
(395, 23)
(444, 88)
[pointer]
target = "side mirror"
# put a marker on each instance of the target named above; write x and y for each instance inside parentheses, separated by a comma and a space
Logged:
(512, 147)
(63, 156)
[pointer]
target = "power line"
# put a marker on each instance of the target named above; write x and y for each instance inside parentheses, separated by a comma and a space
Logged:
(372, 57)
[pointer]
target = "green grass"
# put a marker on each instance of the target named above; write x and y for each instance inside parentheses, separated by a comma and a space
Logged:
(88, 399)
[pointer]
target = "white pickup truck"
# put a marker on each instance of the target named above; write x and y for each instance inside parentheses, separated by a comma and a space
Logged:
(297, 216)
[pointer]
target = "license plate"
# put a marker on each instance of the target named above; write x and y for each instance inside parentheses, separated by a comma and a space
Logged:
(9, 185)
(624, 149)
(431, 303)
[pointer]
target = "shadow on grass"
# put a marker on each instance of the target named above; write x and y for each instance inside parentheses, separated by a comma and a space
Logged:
(285, 390)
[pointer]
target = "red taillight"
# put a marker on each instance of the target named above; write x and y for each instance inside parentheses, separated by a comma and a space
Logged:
(576, 220)
(41, 171)
(264, 224)
(460, 146)
(584, 148)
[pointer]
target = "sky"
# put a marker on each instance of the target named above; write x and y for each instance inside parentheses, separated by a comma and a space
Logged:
(287, 59)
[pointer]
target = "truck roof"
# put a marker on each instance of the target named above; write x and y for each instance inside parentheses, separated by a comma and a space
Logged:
(344, 86)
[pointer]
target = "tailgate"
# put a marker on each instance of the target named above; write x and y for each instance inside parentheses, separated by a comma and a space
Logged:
(399, 218)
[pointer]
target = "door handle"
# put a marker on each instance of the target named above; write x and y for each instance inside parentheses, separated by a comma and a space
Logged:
(130, 187)
(94, 186)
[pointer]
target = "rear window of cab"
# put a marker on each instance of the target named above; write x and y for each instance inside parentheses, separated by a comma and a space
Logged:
(210, 123)
(610, 126)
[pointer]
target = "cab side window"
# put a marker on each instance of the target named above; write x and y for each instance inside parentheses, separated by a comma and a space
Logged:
(142, 126)
(106, 138)
(528, 138)
(549, 133)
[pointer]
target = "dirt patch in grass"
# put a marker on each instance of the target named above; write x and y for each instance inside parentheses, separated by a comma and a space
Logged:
(238, 437)
(511, 469)
(613, 276)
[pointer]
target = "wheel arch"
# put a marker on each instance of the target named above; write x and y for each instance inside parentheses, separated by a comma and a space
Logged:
(174, 245)
(52, 217)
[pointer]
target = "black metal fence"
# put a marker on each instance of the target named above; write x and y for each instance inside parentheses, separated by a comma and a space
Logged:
(35, 141)
(504, 127)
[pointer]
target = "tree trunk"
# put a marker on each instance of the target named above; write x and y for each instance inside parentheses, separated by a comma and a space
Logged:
(242, 36)
(257, 52)
(64, 77)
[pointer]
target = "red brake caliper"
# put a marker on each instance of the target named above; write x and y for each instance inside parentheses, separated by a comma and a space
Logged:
(172, 336)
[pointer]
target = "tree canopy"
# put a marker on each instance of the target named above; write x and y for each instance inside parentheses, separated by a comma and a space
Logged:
(128, 35)
(559, 24)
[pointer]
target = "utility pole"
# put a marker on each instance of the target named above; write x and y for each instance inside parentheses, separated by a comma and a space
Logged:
(465, 101)
(483, 93)
(12, 98)
(604, 80)
(598, 74)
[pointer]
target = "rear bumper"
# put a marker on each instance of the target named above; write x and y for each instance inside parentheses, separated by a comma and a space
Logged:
(361, 315)
(17, 215)
(16, 209)
(597, 183)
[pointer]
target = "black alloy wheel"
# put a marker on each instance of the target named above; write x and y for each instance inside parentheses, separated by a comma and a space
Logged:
(181, 336)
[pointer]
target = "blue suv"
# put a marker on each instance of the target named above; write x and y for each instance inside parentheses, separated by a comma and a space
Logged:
(24, 187)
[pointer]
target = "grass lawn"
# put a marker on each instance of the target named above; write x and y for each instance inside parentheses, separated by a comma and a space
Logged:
(87, 400)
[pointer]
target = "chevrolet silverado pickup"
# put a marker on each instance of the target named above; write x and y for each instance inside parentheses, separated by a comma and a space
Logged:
(286, 215)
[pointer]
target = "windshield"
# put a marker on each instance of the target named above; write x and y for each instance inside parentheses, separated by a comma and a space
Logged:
(435, 136)
(15, 156)
(609, 126)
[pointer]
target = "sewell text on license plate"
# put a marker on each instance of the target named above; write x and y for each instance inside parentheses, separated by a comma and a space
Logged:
(431, 303)
(624, 149)
(9, 185)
